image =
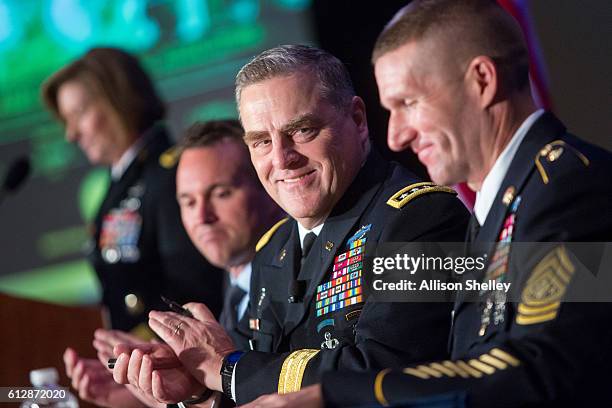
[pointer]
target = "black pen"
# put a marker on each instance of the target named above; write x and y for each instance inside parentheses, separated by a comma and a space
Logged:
(176, 308)
(158, 364)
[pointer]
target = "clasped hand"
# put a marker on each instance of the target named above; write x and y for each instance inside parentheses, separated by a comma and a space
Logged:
(186, 365)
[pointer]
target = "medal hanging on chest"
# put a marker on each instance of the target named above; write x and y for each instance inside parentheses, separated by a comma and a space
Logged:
(121, 229)
(494, 305)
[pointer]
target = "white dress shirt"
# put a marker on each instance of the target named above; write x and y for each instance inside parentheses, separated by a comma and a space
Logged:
(119, 168)
(303, 231)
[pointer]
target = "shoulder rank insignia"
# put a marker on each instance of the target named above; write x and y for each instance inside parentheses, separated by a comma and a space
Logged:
(169, 158)
(265, 238)
(409, 193)
(541, 297)
(551, 153)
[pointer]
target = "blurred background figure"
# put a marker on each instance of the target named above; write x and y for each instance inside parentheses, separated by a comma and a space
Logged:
(139, 249)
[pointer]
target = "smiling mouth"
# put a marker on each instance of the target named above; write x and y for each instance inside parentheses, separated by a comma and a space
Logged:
(297, 179)
(423, 150)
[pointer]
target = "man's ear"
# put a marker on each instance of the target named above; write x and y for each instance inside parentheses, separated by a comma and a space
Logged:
(358, 115)
(483, 76)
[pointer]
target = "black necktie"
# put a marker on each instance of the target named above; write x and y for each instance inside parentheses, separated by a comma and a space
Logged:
(309, 239)
(297, 288)
(229, 314)
(474, 227)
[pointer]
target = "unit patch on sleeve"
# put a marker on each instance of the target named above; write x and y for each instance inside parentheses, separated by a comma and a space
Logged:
(541, 298)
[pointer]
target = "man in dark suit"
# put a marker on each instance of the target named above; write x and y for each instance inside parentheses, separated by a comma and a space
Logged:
(454, 76)
(309, 309)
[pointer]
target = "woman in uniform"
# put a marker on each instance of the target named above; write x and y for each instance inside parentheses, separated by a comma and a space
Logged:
(109, 107)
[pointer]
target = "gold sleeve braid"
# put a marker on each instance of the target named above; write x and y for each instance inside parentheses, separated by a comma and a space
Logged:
(378, 387)
(292, 372)
(486, 364)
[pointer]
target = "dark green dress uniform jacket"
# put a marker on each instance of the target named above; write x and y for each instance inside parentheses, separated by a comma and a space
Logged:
(141, 249)
(334, 326)
(540, 349)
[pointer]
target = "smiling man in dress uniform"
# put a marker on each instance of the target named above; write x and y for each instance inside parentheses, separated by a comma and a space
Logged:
(308, 137)
(454, 76)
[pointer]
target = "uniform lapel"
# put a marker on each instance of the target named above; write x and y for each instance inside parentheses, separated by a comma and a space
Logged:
(317, 264)
(335, 232)
(546, 129)
(280, 272)
(117, 191)
(156, 142)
